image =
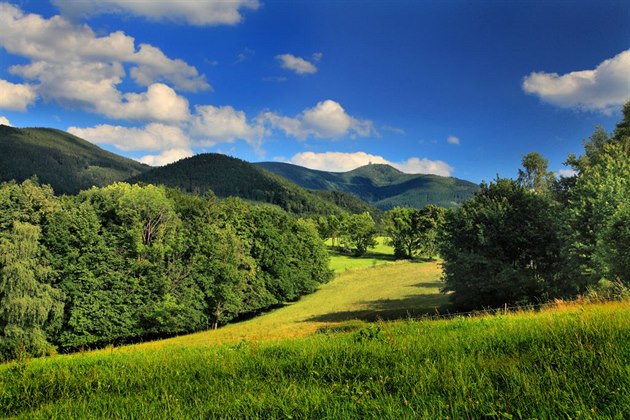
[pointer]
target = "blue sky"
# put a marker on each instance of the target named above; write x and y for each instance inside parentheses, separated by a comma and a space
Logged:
(459, 88)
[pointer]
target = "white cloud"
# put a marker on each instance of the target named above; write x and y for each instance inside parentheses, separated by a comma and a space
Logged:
(604, 89)
(16, 96)
(452, 140)
(166, 157)
(200, 13)
(416, 165)
(317, 57)
(74, 67)
(297, 64)
(566, 173)
(212, 125)
(343, 162)
(209, 126)
(5, 121)
(153, 137)
(153, 65)
(326, 120)
(159, 102)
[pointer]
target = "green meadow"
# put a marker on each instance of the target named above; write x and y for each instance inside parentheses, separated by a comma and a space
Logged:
(352, 349)
(380, 254)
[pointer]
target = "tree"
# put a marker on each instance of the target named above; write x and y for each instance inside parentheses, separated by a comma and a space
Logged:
(597, 199)
(402, 225)
(502, 247)
(534, 176)
(359, 233)
(431, 220)
(614, 246)
(28, 303)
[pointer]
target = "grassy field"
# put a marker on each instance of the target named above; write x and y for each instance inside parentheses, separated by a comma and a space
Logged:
(569, 362)
(394, 291)
(380, 254)
(321, 358)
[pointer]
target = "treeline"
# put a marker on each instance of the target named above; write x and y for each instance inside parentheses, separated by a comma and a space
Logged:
(127, 262)
(411, 232)
(538, 237)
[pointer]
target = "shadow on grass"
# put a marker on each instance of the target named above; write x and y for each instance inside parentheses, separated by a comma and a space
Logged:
(374, 255)
(334, 251)
(390, 309)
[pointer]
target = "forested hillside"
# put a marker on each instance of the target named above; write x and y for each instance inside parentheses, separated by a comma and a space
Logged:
(381, 185)
(67, 163)
(227, 176)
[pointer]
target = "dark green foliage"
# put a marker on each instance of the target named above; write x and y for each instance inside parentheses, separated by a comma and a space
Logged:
(349, 203)
(596, 207)
(290, 257)
(614, 245)
(136, 262)
(28, 303)
(227, 176)
(502, 247)
(413, 231)
(358, 233)
(62, 160)
(538, 238)
(381, 185)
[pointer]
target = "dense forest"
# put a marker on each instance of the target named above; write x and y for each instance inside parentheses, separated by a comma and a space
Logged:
(127, 262)
(68, 163)
(537, 237)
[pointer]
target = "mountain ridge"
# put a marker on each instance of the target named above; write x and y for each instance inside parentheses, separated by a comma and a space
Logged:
(66, 162)
(380, 185)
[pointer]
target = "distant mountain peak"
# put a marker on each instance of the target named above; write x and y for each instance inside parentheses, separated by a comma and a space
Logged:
(382, 168)
(381, 185)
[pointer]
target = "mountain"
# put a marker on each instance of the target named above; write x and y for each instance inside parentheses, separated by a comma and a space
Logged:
(66, 162)
(227, 176)
(380, 185)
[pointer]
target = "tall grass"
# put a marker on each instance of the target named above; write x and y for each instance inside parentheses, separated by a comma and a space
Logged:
(570, 362)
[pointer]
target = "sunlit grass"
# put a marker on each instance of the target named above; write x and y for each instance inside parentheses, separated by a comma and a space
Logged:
(568, 362)
(380, 254)
(389, 291)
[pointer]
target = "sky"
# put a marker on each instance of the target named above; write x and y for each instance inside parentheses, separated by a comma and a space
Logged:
(453, 88)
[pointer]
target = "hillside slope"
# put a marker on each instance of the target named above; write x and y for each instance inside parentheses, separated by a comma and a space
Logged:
(227, 176)
(380, 185)
(66, 162)
(568, 361)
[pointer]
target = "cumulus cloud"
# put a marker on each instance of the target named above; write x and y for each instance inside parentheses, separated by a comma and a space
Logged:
(16, 96)
(207, 127)
(200, 13)
(326, 120)
(159, 102)
(604, 89)
(153, 65)
(4, 121)
(166, 157)
(73, 66)
(452, 140)
(343, 162)
(212, 125)
(153, 137)
(297, 64)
